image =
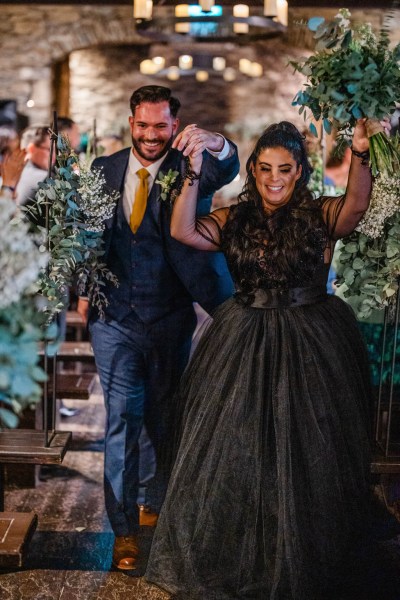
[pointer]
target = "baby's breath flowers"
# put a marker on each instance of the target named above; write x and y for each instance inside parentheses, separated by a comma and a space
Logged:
(95, 201)
(368, 260)
(21, 255)
(22, 317)
(385, 202)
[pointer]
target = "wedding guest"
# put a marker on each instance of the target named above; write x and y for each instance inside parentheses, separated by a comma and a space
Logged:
(70, 129)
(271, 480)
(142, 346)
(35, 140)
(12, 166)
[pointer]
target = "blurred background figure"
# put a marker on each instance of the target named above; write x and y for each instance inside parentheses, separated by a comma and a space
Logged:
(69, 128)
(110, 143)
(9, 141)
(337, 169)
(35, 139)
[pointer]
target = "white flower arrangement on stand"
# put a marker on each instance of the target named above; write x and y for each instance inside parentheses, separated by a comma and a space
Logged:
(22, 315)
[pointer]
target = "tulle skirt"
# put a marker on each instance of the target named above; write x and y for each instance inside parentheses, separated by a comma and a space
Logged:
(271, 480)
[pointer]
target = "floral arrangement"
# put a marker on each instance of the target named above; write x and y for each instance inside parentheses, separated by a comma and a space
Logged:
(353, 74)
(166, 181)
(22, 316)
(78, 202)
(368, 260)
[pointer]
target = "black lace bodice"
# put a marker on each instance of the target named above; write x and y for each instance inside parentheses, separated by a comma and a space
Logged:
(283, 250)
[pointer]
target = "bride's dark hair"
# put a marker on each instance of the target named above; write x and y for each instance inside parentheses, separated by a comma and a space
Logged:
(293, 236)
(279, 135)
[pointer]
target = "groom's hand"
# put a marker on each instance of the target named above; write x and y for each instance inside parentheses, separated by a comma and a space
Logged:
(193, 140)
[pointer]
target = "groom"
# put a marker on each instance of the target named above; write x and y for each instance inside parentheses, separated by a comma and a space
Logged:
(142, 346)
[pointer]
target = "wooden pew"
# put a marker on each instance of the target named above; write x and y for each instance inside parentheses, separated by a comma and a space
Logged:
(16, 530)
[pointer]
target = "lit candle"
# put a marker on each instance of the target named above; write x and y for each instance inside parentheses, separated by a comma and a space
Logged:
(255, 70)
(244, 65)
(206, 5)
(182, 10)
(282, 8)
(159, 61)
(229, 74)
(147, 67)
(201, 76)
(270, 8)
(242, 11)
(142, 9)
(185, 62)
(173, 73)
(219, 63)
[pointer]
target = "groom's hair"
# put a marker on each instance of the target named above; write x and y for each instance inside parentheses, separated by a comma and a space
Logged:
(154, 94)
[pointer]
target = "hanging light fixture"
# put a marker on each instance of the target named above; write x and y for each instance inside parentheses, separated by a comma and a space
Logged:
(201, 65)
(208, 22)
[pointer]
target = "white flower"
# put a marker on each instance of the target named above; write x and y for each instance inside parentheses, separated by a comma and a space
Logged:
(21, 259)
(385, 201)
(96, 202)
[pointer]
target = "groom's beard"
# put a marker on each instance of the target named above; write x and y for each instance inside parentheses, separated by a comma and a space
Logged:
(151, 154)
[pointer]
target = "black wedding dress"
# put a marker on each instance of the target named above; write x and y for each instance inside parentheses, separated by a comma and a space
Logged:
(272, 474)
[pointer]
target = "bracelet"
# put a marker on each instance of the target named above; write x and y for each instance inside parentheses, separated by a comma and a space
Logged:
(363, 155)
(8, 187)
(192, 176)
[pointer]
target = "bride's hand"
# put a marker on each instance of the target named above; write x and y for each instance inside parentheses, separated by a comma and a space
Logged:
(360, 135)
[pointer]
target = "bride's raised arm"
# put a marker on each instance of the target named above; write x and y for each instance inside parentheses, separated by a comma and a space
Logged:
(202, 233)
(352, 207)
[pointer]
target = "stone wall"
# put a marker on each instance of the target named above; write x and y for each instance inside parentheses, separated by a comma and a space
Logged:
(104, 53)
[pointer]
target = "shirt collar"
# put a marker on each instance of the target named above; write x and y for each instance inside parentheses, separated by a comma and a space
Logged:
(135, 165)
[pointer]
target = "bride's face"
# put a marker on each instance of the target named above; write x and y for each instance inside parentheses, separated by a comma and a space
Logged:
(276, 173)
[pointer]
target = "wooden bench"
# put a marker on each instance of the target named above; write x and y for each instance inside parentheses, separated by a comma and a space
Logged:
(74, 386)
(75, 321)
(16, 530)
(74, 352)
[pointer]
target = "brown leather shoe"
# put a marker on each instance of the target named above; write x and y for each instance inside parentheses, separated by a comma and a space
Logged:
(125, 552)
(147, 518)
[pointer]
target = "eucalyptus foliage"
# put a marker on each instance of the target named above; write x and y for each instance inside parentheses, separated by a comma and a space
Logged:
(78, 203)
(22, 315)
(369, 268)
(352, 74)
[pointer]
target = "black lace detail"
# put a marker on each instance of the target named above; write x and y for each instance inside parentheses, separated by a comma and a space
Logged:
(281, 250)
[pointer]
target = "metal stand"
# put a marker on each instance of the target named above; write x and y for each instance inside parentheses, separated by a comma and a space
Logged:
(384, 409)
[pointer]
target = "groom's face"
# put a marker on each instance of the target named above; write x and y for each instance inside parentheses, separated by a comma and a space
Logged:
(153, 129)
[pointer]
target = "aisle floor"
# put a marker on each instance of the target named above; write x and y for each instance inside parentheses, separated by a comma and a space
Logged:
(69, 557)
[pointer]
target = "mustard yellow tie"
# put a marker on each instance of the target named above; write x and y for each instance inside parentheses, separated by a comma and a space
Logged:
(139, 206)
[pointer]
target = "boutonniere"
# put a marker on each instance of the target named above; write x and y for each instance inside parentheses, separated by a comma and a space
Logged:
(166, 181)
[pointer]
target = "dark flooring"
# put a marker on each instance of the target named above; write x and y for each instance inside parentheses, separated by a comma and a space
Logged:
(69, 557)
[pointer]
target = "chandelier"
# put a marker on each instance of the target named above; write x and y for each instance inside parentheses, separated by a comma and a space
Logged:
(201, 67)
(209, 22)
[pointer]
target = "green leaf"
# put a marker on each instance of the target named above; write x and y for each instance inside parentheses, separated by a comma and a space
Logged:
(8, 418)
(313, 130)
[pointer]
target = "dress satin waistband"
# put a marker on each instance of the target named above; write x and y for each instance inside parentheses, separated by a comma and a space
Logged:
(282, 298)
